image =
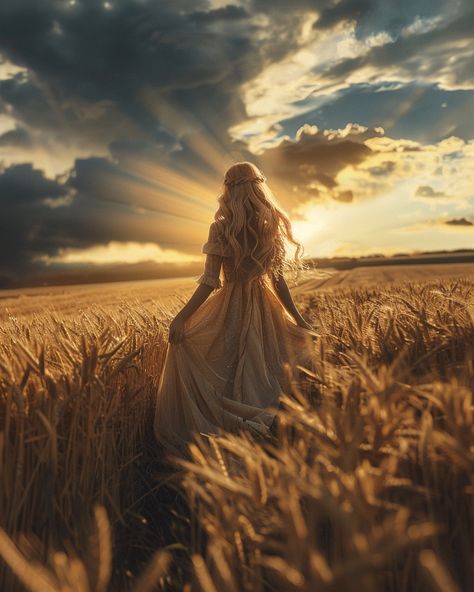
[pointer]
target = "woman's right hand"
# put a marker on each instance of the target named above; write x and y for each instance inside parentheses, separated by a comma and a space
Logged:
(176, 330)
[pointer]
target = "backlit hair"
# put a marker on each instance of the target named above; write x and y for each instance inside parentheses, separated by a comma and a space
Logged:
(253, 225)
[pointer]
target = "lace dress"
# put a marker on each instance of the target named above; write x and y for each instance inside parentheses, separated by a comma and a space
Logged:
(227, 372)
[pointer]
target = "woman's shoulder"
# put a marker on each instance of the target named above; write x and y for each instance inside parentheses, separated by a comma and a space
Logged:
(214, 229)
(216, 232)
(216, 243)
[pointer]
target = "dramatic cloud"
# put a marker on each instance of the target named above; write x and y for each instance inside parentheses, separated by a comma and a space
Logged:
(109, 75)
(23, 190)
(345, 10)
(361, 163)
(50, 220)
(22, 183)
(368, 47)
(118, 120)
(230, 12)
(15, 137)
(308, 165)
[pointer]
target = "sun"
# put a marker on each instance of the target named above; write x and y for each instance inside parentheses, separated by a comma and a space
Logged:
(310, 225)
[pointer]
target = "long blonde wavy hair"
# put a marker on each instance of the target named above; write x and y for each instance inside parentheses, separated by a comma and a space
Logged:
(253, 225)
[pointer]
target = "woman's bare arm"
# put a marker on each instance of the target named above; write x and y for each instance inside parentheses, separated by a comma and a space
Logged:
(200, 295)
(281, 288)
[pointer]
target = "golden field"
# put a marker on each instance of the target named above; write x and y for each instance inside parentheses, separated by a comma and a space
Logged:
(367, 484)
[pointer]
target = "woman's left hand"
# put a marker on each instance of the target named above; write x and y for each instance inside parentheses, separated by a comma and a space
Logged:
(176, 331)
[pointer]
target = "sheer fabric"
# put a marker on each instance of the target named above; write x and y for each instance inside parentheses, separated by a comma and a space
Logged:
(227, 372)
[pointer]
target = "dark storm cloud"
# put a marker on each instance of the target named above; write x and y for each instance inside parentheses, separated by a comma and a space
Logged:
(83, 52)
(18, 136)
(316, 157)
(90, 175)
(230, 12)
(459, 222)
(60, 117)
(266, 6)
(344, 10)
(22, 191)
(317, 150)
(36, 220)
(22, 183)
(98, 79)
(26, 101)
(102, 53)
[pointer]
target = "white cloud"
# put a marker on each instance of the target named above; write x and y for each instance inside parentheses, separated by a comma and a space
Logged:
(273, 95)
(331, 61)
(8, 69)
(448, 165)
(422, 25)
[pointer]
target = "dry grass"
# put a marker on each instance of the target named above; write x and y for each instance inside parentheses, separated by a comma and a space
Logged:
(368, 483)
(65, 574)
(76, 394)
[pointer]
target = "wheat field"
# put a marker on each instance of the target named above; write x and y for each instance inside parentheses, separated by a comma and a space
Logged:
(366, 484)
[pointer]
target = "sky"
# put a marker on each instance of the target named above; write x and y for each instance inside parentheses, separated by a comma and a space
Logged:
(118, 120)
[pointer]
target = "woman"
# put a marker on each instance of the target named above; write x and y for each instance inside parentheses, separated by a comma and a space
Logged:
(223, 368)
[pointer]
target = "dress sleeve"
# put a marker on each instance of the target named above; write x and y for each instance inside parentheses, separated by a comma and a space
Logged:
(214, 253)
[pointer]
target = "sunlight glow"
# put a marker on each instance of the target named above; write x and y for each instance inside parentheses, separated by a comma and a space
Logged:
(117, 252)
(309, 229)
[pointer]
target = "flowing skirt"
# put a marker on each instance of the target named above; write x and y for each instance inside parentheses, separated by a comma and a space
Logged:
(227, 372)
